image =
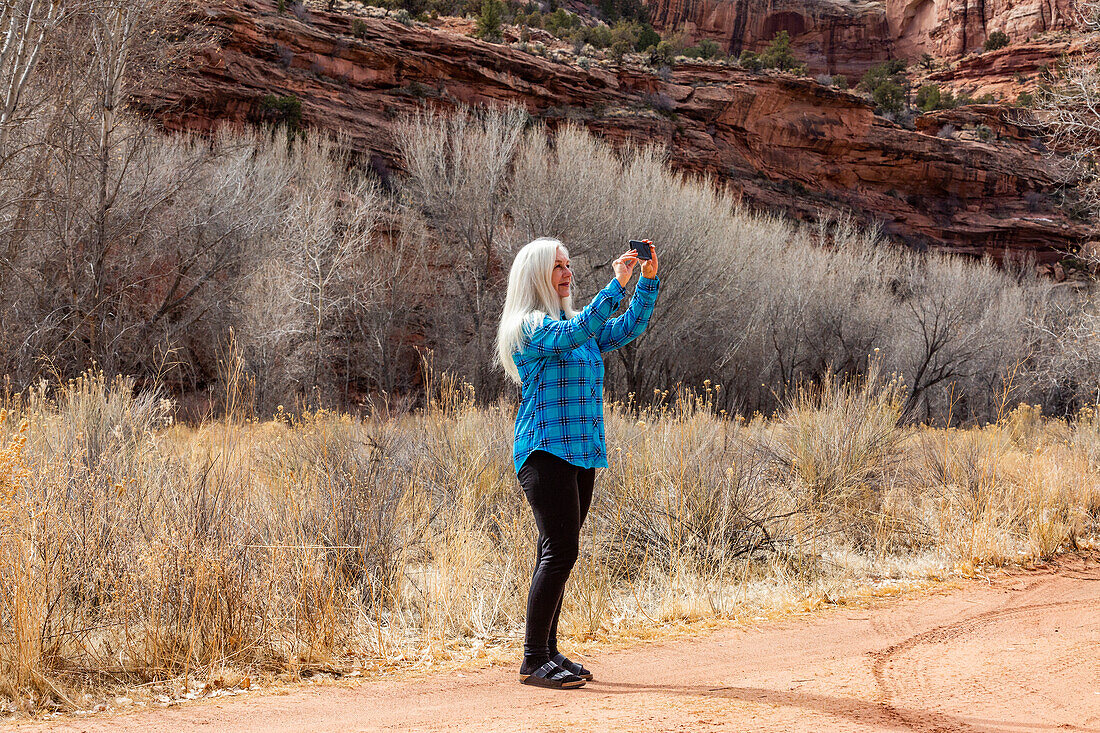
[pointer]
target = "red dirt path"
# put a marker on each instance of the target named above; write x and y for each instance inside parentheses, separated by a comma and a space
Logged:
(1020, 654)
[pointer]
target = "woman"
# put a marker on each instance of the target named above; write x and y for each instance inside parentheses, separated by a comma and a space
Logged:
(553, 352)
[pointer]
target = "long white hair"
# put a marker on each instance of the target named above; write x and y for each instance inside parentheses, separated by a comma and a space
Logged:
(531, 296)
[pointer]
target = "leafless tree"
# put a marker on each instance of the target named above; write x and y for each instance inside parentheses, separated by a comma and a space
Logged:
(385, 314)
(269, 328)
(755, 302)
(26, 27)
(328, 228)
(458, 179)
(956, 313)
(1070, 108)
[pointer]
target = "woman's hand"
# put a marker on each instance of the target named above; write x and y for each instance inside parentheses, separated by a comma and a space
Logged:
(649, 267)
(624, 266)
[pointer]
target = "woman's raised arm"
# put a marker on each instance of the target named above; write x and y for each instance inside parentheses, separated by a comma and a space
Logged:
(555, 336)
(620, 331)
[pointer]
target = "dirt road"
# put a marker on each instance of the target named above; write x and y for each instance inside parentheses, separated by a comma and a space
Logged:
(1018, 654)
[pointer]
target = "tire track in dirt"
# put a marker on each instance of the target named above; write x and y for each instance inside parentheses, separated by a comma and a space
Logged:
(897, 680)
(1015, 653)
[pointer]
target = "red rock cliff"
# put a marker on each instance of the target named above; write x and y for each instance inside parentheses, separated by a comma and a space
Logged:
(954, 28)
(845, 36)
(787, 144)
(829, 36)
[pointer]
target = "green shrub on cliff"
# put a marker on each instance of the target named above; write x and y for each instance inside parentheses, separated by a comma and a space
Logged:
(705, 49)
(625, 35)
(777, 55)
(930, 97)
(285, 111)
(561, 22)
(889, 97)
(616, 10)
(888, 86)
(750, 60)
(996, 40)
(647, 38)
(489, 21)
(661, 54)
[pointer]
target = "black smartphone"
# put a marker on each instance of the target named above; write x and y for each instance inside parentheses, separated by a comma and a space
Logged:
(642, 248)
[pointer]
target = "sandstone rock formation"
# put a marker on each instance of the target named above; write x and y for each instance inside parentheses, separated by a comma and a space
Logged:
(828, 35)
(1004, 73)
(953, 28)
(787, 144)
(848, 36)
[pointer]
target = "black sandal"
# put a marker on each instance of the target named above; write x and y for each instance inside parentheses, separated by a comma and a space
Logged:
(570, 666)
(553, 676)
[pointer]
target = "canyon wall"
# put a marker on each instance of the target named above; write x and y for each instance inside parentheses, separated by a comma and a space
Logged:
(829, 36)
(786, 144)
(844, 36)
(954, 28)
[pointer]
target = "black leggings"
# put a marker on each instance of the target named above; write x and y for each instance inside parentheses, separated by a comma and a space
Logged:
(559, 494)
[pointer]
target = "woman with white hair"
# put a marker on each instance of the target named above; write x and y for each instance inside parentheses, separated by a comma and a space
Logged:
(554, 353)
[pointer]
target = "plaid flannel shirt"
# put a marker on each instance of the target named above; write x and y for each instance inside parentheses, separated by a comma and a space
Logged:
(561, 404)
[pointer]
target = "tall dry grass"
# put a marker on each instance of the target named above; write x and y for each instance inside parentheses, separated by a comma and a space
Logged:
(134, 550)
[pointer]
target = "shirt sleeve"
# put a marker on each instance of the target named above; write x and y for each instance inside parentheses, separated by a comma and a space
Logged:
(620, 331)
(553, 337)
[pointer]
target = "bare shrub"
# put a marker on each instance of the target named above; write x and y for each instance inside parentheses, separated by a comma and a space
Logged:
(356, 480)
(700, 515)
(326, 233)
(134, 550)
(964, 321)
(1068, 109)
(838, 444)
(458, 180)
(759, 304)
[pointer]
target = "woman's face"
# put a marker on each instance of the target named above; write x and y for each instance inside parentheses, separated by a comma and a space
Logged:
(562, 276)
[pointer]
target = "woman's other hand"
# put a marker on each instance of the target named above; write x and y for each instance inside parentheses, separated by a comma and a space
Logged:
(649, 267)
(624, 266)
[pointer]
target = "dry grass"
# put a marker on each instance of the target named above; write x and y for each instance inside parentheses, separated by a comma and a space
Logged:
(137, 551)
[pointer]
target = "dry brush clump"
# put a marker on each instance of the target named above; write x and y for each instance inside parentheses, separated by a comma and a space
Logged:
(838, 446)
(758, 303)
(136, 550)
(323, 282)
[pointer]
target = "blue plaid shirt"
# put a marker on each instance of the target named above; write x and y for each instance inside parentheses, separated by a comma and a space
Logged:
(561, 407)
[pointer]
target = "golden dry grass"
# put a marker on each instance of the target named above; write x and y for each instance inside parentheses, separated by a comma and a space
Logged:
(134, 550)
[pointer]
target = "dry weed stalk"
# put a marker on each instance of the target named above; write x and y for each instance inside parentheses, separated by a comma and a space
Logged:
(136, 550)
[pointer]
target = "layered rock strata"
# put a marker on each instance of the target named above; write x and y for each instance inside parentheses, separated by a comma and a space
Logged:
(1004, 73)
(848, 36)
(828, 36)
(954, 28)
(786, 144)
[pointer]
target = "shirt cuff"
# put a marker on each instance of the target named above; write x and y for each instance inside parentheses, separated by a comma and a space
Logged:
(616, 289)
(646, 283)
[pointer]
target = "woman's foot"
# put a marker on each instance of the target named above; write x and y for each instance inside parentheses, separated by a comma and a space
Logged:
(551, 675)
(570, 666)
